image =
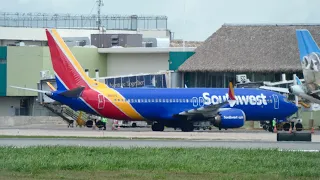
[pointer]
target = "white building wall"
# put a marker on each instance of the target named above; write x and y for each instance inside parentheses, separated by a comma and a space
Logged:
(155, 34)
(135, 63)
(26, 43)
(38, 34)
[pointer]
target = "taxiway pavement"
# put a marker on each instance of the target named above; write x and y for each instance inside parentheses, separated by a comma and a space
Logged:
(25, 142)
(86, 132)
(239, 138)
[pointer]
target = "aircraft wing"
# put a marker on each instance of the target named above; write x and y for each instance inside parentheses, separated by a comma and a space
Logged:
(315, 92)
(209, 109)
(204, 110)
(29, 89)
(278, 89)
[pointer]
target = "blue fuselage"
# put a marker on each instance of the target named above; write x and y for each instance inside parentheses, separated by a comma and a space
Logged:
(164, 104)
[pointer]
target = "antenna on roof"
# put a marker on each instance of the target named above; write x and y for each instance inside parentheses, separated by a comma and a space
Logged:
(184, 24)
(100, 4)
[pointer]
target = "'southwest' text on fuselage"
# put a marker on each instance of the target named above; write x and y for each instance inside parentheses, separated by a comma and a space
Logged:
(241, 100)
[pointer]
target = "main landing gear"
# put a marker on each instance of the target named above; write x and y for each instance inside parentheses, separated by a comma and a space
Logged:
(156, 126)
(185, 126)
(283, 126)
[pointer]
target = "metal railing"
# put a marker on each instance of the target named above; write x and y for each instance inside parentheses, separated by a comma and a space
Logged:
(82, 21)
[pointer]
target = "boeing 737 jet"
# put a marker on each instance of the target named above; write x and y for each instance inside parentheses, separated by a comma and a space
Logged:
(310, 62)
(171, 107)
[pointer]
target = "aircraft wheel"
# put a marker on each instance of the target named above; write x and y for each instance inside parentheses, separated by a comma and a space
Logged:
(157, 127)
(99, 124)
(265, 127)
(187, 126)
(299, 127)
(89, 123)
(286, 127)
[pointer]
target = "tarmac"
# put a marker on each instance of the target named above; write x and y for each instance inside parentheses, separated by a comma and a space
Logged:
(129, 137)
(25, 142)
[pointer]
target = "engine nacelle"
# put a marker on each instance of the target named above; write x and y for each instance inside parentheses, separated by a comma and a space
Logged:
(231, 118)
(296, 89)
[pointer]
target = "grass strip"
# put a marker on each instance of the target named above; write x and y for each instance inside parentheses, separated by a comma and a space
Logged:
(155, 163)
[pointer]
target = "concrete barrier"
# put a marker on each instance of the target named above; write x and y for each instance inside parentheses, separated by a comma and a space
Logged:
(12, 121)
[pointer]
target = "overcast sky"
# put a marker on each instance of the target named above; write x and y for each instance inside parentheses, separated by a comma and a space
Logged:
(201, 17)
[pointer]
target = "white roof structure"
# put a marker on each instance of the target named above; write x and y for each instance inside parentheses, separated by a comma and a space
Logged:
(38, 34)
(145, 49)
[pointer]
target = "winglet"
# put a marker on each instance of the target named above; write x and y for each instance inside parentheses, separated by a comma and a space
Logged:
(298, 80)
(232, 98)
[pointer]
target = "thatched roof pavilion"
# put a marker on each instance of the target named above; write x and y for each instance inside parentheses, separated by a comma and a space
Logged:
(250, 48)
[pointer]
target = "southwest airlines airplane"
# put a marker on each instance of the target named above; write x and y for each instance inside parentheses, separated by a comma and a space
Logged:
(171, 107)
(310, 62)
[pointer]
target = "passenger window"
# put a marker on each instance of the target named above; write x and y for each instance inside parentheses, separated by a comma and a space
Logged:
(167, 100)
(159, 100)
(152, 100)
(183, 100)
(149, 100)
(138, 100)
(171, 100)
(187, 100)
(156, 100)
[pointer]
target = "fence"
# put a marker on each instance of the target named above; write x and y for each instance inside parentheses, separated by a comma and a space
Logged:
(68, 21)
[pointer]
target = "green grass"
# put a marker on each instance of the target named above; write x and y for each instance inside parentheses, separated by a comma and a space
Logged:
(155, 163)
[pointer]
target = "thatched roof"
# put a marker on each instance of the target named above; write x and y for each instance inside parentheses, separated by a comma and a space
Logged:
(250, 48)
(179, 43)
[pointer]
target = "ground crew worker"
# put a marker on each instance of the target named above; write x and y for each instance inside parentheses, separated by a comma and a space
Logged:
(274, 123)
(104, 122)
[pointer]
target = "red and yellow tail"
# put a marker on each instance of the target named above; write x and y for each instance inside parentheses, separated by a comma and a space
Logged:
(231, 92)
(69, 73)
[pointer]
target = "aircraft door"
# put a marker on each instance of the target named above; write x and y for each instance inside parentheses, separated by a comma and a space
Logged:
(276, 101)
(201, 101)
(195, 101)
(101, 101)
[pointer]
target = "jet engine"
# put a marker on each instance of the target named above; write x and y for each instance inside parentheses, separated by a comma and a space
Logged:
(231, 118)
(296, 89)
